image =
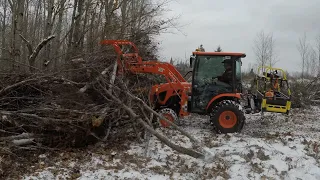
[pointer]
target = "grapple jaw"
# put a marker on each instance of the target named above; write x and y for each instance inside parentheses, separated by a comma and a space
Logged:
(124, 58)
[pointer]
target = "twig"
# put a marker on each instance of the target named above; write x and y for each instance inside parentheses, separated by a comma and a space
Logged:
(113, 75)
(108, 132)
(43, 119)
(20, 136)
(19, 84)
(88, 85)
(22, 142)
(29, 46)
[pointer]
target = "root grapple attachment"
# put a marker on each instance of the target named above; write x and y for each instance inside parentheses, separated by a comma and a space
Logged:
(271, 92)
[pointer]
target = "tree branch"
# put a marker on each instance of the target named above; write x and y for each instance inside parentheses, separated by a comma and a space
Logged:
(29, 46)
(163, 139)
(35, 53)
(160, 116)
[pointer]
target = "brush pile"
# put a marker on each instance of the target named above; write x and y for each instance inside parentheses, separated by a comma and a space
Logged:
(54, 111)
(305, 92)
(77, 108)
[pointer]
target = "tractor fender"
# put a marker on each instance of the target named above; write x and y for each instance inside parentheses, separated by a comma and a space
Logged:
(223, 96)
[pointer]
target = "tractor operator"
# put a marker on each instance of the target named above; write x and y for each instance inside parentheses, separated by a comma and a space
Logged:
(226, 77)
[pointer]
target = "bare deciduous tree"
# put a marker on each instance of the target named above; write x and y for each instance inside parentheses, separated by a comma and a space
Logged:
(3, 18)
(264, 49)
(17, 9)
(318, 52)
(312, 62)
(78, 27)
(303, 48)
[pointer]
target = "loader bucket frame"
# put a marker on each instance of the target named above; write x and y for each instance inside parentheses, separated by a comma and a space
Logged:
(124, 59)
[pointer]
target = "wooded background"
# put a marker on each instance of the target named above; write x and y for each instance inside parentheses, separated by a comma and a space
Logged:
(70, 29)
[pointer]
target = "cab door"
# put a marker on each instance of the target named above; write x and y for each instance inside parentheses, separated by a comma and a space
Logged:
(205, 81)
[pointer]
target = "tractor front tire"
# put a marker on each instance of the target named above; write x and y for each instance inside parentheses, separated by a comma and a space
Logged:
(170, 115)
(227, 117)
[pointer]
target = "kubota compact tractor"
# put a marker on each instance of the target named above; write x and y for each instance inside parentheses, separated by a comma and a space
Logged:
(215, 89)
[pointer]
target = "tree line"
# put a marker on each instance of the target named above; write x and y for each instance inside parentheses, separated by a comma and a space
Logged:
(266, 54)
(45, 35)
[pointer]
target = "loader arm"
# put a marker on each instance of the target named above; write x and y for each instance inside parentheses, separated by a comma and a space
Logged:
(133, 63)
(161, 68)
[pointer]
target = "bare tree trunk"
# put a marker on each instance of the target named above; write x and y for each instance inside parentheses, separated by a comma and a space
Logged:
(93, 31)
(4, 51)
(264, 49)
(24, 54)
(84, 26)
(303, 50)
(133, 17)
(98, 31)
(124, 18)
(108, 26)
(70, 36)
(140, 13)
(37, 20)
(271, 51)
(312, 62)
(47, 32)
(17, 20)
(318, 51)
(56, 42)
(77, 29)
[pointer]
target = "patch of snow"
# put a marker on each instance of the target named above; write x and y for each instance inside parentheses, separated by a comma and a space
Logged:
(41, 175)
(121, 174)
(273, 146)
(47, 174)
(42, 156)
(239, 171)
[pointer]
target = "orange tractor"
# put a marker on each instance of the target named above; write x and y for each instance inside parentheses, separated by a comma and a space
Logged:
(215, 89)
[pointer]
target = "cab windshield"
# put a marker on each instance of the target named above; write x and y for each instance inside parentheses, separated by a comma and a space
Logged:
(209, 67)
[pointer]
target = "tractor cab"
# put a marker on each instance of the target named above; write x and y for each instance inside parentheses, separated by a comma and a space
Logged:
(216, 76)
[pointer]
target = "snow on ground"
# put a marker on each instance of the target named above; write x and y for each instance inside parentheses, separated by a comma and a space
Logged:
(272, 147)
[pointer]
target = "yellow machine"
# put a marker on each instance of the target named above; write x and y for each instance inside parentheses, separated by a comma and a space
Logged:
(272, 92)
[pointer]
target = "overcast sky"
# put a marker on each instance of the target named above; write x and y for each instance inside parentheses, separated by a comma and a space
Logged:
(233, 24)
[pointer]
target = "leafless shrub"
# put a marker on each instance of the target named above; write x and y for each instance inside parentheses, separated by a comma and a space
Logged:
(305, 92)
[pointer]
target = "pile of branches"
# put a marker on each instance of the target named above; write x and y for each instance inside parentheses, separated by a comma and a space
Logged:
(54, 111)
(305, 92)
(91, 105)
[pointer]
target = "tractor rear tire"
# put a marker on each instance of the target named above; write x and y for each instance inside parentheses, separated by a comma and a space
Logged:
(227, 117)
